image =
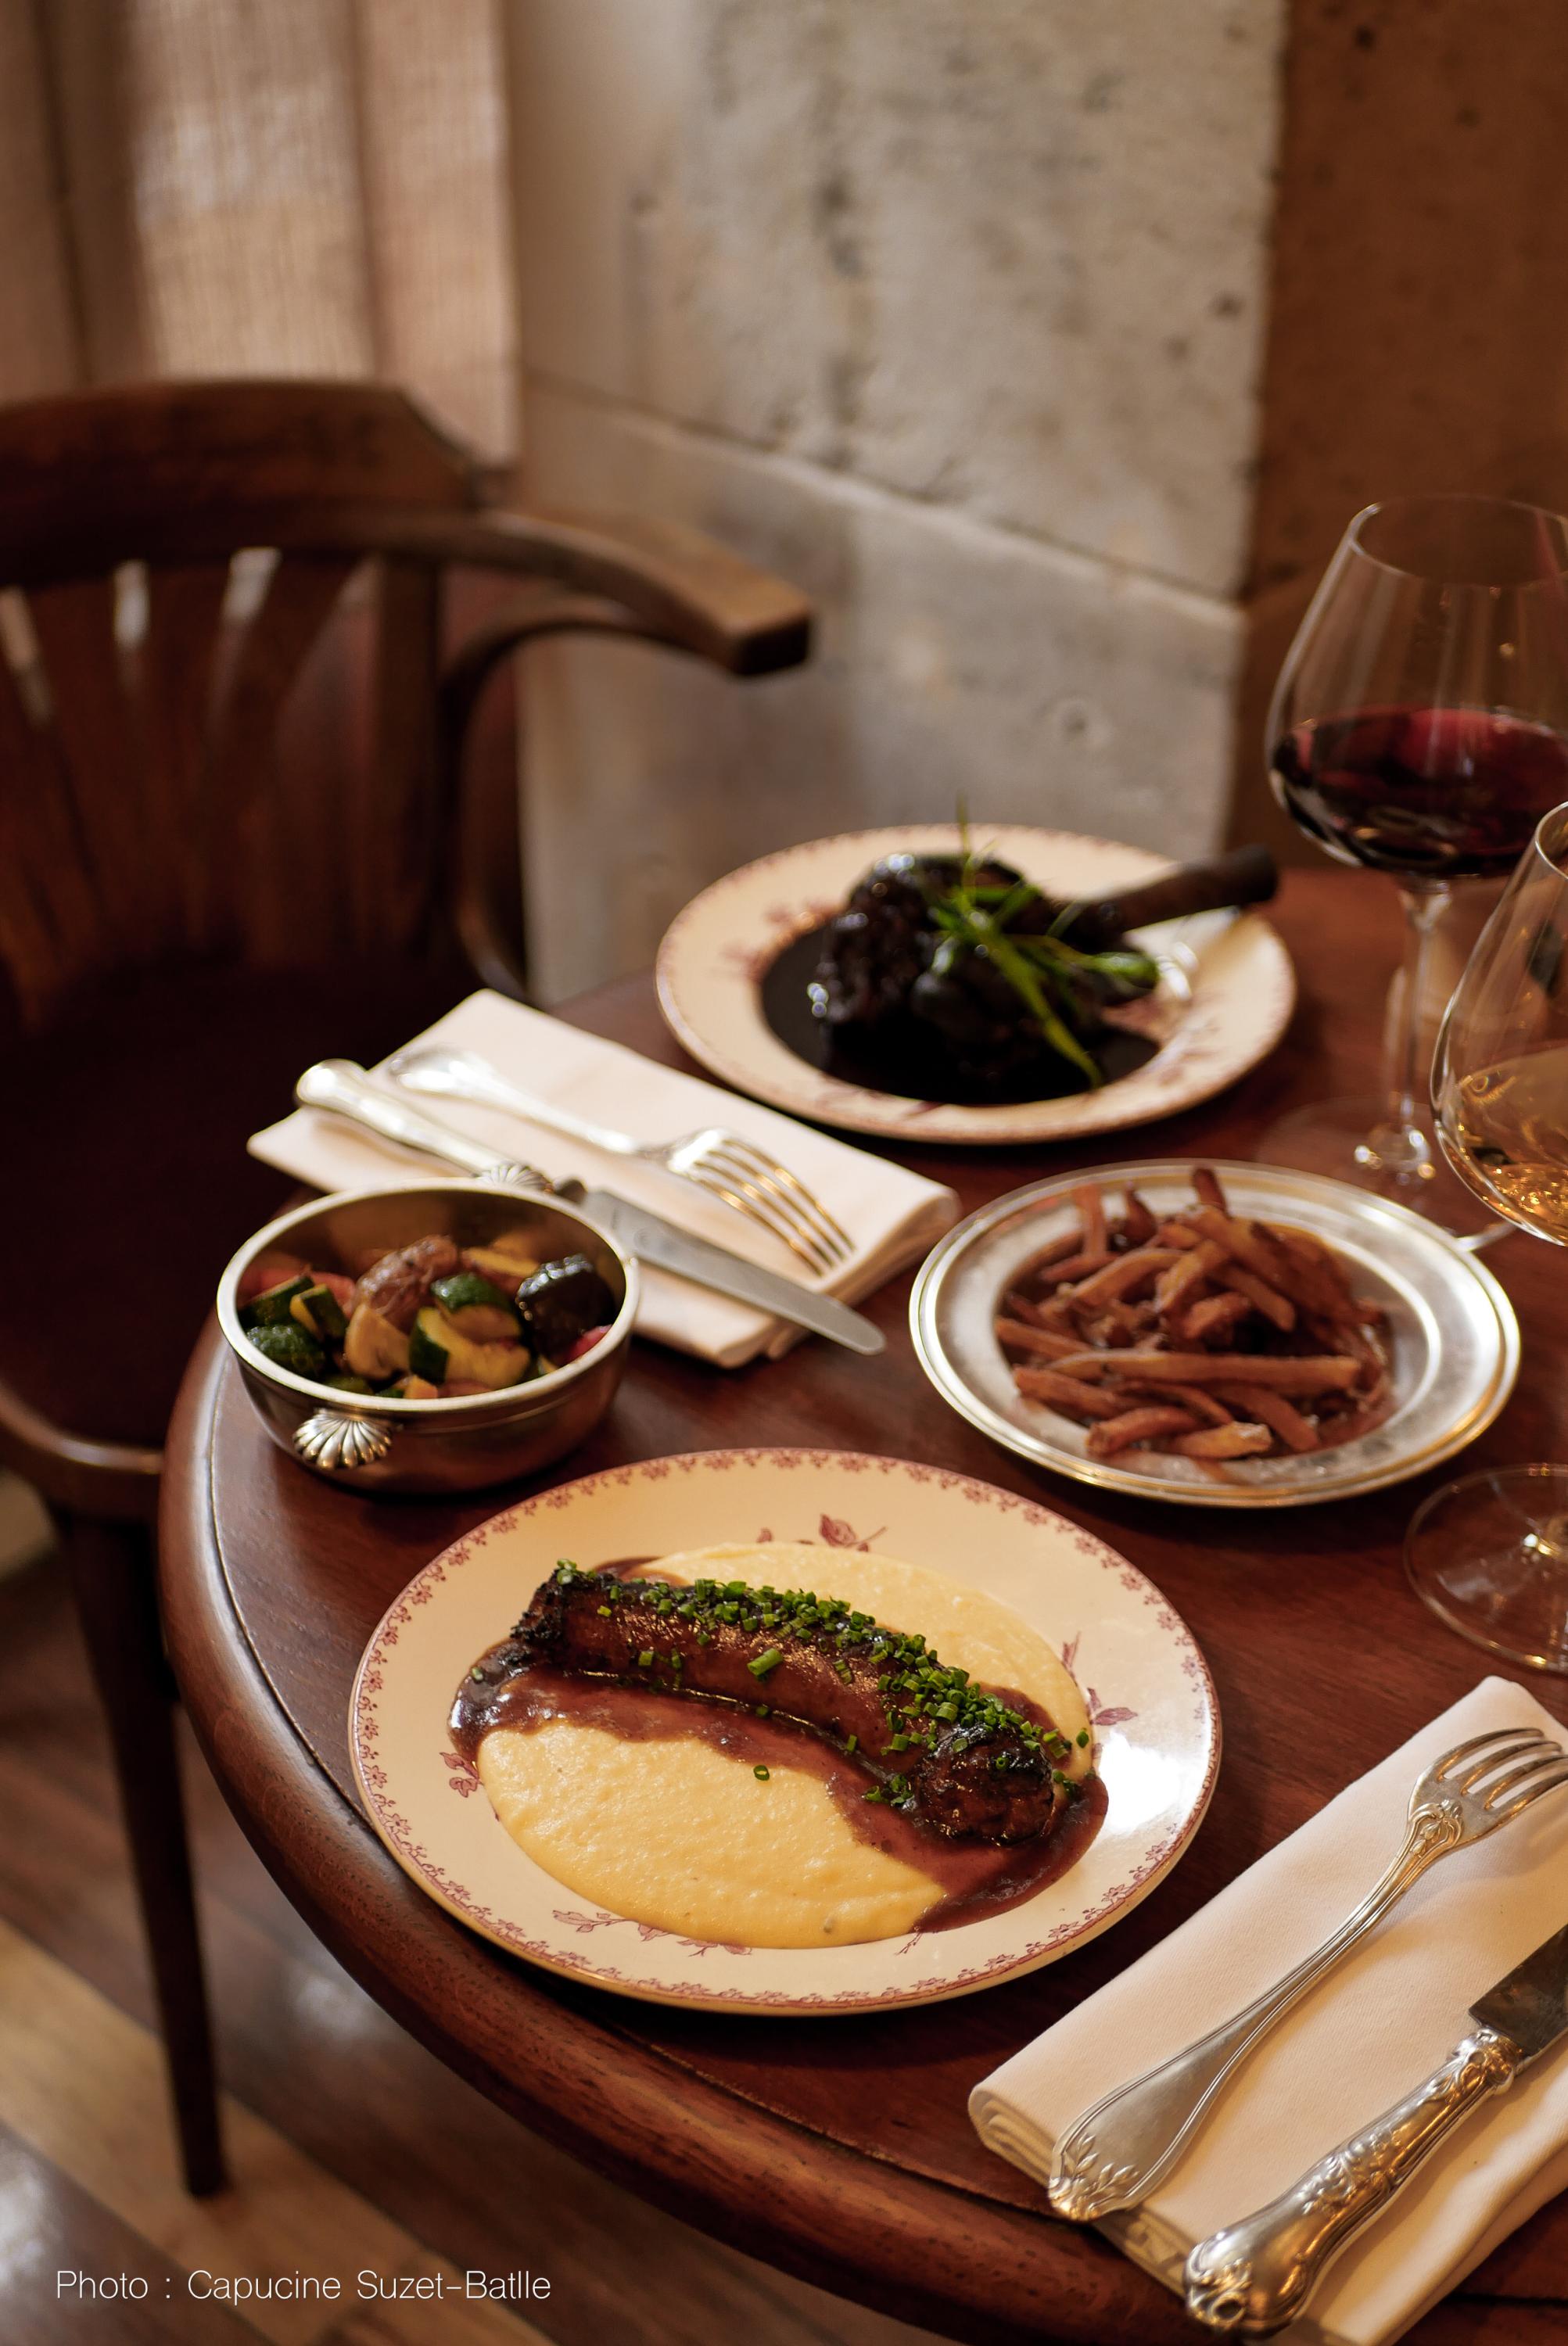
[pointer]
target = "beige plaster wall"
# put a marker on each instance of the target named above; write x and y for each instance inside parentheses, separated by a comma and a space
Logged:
(951, 310)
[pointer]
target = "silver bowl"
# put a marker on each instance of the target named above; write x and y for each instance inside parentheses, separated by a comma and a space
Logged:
(371, 1443)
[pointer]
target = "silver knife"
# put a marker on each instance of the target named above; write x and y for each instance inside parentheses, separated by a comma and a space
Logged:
(1253, 2278)
(345, 1088)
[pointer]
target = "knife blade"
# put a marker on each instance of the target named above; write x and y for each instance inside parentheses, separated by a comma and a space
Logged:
(1530, 2004)
(344, 1089)
(662, 1243)
(1253, 2278)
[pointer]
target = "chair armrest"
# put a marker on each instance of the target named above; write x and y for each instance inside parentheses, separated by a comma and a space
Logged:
(116, 1479)
(676, 585)
(682, 587)
(483, 816)
(645, 580)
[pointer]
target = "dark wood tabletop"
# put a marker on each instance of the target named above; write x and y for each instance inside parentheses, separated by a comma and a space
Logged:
(839, 2148)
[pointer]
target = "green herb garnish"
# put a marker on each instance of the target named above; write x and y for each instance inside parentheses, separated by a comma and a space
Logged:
(976, 917)
(921, 1697)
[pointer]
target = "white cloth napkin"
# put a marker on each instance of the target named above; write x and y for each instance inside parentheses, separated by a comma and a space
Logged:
(1374, 2029)
(892, 1215)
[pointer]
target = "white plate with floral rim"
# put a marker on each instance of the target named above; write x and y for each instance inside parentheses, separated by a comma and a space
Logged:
(1149, 1693)
(1225, 1000)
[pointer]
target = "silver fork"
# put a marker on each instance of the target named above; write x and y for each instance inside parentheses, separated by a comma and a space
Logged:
(1114, 2155)
(723, 1163)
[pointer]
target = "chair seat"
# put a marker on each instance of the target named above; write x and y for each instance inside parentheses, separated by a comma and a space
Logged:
(126, 1180)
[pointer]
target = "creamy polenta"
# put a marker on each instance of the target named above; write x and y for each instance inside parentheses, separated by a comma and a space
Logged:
(678, 1834)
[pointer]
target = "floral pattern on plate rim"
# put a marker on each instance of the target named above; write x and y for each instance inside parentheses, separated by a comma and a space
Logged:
(398, 1831)
(1197, 1061)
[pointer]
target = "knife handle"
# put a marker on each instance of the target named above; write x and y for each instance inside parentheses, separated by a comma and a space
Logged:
(345, 1089)
(1251, 2279)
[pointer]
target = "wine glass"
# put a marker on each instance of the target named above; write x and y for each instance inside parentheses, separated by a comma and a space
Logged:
(1420, 726)
(1490, 1552)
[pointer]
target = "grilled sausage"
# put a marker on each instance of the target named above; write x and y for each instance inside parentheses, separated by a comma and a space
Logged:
(953, 1754)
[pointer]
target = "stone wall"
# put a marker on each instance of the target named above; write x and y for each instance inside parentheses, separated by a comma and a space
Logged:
(952, 311)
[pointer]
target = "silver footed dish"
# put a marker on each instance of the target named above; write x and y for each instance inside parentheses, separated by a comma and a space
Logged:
(1448, 1330)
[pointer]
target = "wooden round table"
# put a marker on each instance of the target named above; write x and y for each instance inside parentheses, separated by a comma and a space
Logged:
(839, 2148)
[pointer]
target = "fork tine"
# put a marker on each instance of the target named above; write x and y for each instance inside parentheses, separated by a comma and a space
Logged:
(1549, 1755)
(755, 1211)
(1484, 1752)
(1440, 1767)
(788, 1200)
(765, 1162)
(715, 1159)
(1527, 1747)
(743, 1147)
(1532, 1793)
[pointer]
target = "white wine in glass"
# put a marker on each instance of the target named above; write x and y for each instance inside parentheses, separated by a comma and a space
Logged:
(1508, 1125)
(1490, 1554)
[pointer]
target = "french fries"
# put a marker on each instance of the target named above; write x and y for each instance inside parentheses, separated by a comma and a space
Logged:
(1215, 1316)
(1046, 1343)
(1326, 1374)
(1201, 1334)
(1235, 1440)
(1063, 1392)
(1136, 1427)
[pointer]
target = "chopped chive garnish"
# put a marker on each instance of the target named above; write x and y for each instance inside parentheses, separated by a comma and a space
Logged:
(923, 1699)
(1083, 1737)
(760, 1773)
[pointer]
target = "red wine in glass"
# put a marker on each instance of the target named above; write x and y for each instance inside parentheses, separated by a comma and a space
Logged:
(1428, 794)
(1419, 726)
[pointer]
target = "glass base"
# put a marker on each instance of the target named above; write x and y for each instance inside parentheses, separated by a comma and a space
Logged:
(1341, 1139)
(1490, 1556)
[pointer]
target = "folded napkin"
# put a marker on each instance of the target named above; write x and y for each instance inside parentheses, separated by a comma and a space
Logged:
(1375, 2028)
(892, 1217)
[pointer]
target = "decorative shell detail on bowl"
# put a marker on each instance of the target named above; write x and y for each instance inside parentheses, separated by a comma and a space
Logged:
(330, 1441)
(469, 1441)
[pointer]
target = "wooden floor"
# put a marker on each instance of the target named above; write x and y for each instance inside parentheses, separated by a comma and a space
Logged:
(352, 2149)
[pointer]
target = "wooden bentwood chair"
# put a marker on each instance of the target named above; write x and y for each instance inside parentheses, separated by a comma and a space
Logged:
(246, 821)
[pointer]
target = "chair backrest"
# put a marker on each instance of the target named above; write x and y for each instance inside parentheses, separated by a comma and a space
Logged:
(207, 745)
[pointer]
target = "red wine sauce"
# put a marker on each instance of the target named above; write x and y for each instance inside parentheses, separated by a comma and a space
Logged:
(906, 1058)
(976, 1877)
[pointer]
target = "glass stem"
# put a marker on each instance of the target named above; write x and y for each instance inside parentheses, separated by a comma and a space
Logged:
(1398, 1144)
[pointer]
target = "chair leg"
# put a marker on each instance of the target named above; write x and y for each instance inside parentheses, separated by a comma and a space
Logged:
(111, 1568)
